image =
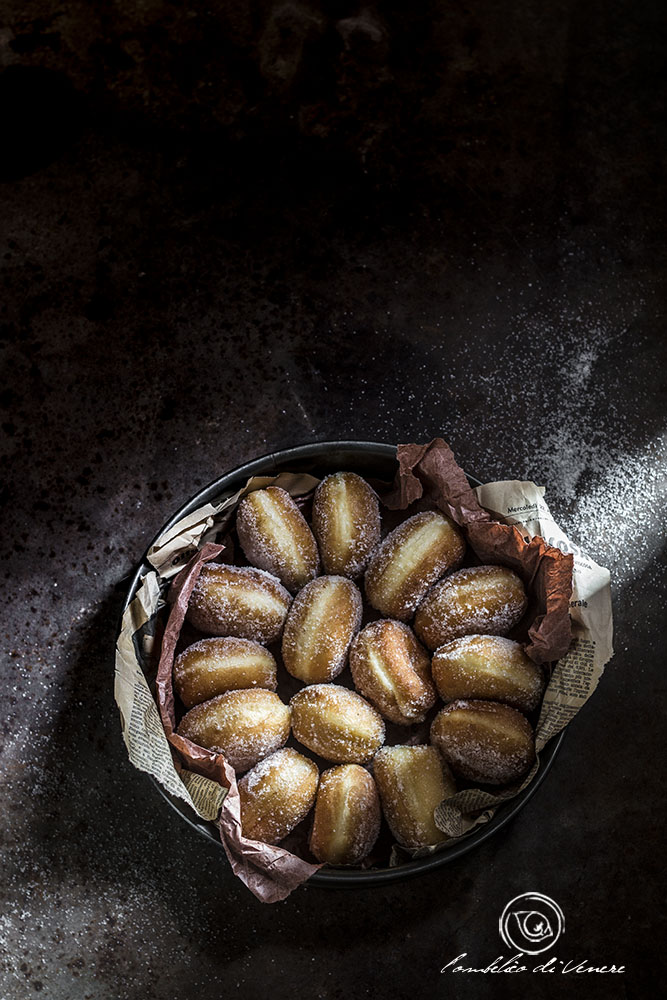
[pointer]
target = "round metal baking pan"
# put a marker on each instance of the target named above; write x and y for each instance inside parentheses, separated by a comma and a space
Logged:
(376, 461)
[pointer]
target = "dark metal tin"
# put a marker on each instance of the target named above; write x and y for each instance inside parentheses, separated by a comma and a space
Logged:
(376, 461)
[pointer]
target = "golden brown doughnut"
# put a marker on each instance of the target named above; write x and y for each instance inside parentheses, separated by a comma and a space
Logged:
(324, 618)
(409, 561)
(484, 741)
(238, 601)
(392, 670)
(489, 667)
(347, 816)
(481, 600)
(275, 536)
(346, 523)
(412, 781)
(276, 795)
(336, 723)
(213, 666)
(243, 725)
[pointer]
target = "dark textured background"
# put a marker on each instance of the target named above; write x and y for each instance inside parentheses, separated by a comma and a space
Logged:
(232, 228)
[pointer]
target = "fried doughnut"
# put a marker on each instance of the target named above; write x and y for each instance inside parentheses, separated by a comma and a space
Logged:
(243, 725)
(392, 670)
(484, 741)
(276, 795)
(346, 523)
(481, 600)
(487, 666)
(347, 816)
(213, 666)
(238, 601)
(275, 536)
(336, 723)
(412, 781)
(324, 618)
(409, 561)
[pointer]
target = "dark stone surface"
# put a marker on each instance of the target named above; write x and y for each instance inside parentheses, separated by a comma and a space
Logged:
(227, 231)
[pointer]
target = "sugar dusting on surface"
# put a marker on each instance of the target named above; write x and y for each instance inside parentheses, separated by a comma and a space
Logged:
(322, 622)
(346, 523)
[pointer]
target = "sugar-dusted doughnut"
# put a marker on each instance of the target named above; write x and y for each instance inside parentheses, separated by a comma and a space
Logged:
(347, 816)
(324, 618)
(409, 560)
(346, 523)
(484, 600)
(243, 725)
(213, 666)
(487, 666)
(336, 723)
(239, 601)
(392, 669)
(484, 741)
(412, 781)
(276, 795)
(275, 536)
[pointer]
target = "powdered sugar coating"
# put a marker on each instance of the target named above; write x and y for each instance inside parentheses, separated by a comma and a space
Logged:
(392, 669)
(410, 560)
(322, 622)
(480, 600)
(412, 781)
(488, 666)
(484, 741)
(346, 523)
(336, 723)
(243, 725)
(275, 536)
(212, 666)
(347, 816)
(240, 601)
(277, 794)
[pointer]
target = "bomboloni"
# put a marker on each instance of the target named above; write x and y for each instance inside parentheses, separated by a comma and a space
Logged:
(409, 561)
(412, 781)
(212, 666)
(322, 622)
(336, 723)
(277, 795)
(489, 667)
(480, 600)
(275, 536)
(347, 816)
(346, 523)
(245, 726)
(392, 669)
(484, 741)
(238, 601)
